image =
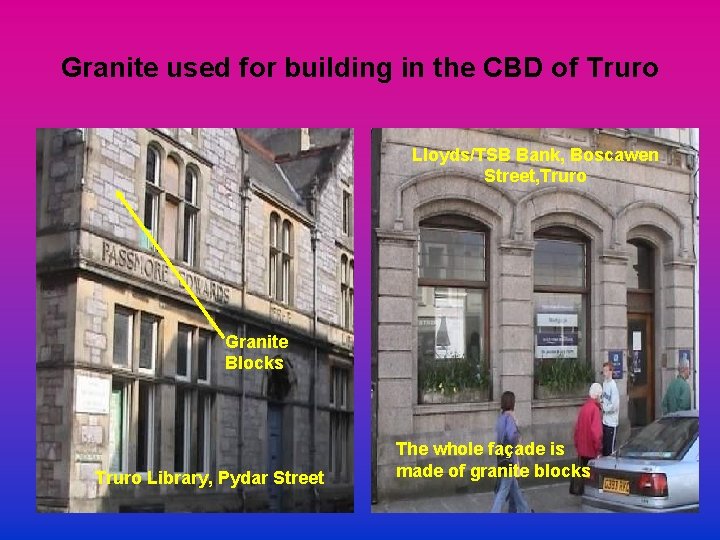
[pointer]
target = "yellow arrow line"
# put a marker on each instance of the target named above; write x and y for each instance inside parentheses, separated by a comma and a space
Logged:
(170, 265)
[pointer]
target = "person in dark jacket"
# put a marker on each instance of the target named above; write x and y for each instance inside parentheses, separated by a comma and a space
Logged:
(506, 432)
(677, 397)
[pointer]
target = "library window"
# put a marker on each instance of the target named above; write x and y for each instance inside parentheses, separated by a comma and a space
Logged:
(153, 192)
(280, 259)
(347, 294)
(122, 338)
(190, 215)
(184, 352)
(148, 343)
(117, 438)
(339, 458)
(171, 204)
(183, 402)
(204, 414)
(145, 427)
(347, 213)
(204, 357)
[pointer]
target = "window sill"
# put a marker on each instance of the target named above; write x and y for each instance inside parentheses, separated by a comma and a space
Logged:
(559, 402)
(442, 408)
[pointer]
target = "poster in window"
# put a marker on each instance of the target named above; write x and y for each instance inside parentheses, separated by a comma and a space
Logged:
(616, 358)
(450, 325)
(637, 341)
(684, 355)
(556, 335)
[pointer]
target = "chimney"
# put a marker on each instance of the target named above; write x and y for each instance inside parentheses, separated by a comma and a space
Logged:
(304, 139)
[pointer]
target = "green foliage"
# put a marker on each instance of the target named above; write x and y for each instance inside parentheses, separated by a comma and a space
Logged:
(563, 374)
(452, 375)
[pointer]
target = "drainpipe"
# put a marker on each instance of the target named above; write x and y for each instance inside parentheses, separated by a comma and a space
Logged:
(694, 179)
(244, 210)
(313, 446)
(313, 443)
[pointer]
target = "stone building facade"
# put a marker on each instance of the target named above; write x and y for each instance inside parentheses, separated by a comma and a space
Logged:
(131, 376)
(481, 287)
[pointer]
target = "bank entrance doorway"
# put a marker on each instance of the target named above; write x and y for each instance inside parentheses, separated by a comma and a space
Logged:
(640, 333)
(640, 370)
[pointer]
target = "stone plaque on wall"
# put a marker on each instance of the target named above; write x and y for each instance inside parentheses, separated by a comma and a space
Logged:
(92, 395)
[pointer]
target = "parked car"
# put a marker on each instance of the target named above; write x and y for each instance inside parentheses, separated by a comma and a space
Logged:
(656, 470)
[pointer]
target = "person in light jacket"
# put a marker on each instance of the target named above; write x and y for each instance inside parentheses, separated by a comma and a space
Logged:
(610, 409)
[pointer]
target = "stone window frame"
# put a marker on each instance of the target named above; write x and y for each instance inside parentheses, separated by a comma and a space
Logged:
(346, 211)
(130, 313)
(186, 442)
(189, 331)
(339, 423)
(130, 391)
(194, 389)
(640, 243)
(208, 336)
(124, 387)
(562, 232)
(205, 403)
(155, 346)
(151, 427)
(281, 247)
(346, 276)
(152, 193)
(131, 378)
(190, 209)
(156, 188)
(459, 221)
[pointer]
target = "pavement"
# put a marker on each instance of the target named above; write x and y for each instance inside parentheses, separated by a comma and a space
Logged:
(548, 498)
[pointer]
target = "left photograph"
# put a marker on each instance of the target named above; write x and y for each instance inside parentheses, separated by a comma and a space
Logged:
(194, 320)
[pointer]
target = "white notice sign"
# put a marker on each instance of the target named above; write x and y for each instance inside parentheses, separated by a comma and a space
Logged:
(637, 341)
(566, 351)
(557, 319)
(92, 395)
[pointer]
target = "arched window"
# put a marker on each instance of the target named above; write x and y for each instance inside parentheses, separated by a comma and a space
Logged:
(561, 284)
(452, 311)
(274, 255)
(171, 207)
(281, 246)
(286, 261)
(151, 212)
(346, 291)
(641, 274)
(190, 214)
(152, 169)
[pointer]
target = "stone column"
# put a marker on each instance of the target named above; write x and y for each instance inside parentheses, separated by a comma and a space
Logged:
(397, 392)
(678, 322)
(514, 297)
(610, 332)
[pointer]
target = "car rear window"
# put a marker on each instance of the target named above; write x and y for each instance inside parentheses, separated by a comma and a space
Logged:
(668, 438)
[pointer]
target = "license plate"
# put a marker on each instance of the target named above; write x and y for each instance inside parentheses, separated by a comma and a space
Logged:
(615, 485)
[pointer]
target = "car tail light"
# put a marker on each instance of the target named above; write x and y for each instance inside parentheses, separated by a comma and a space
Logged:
(653, 485)
(594, 478)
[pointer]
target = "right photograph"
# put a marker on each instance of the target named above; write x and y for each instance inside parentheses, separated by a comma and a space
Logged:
(535, 320)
